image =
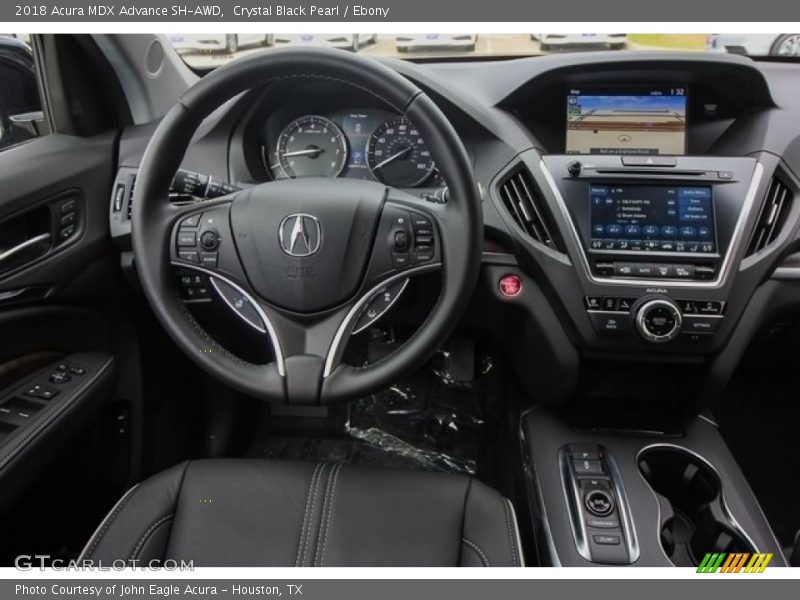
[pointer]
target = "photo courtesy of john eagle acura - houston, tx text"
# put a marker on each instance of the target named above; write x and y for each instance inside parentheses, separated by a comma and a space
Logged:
(275, 299)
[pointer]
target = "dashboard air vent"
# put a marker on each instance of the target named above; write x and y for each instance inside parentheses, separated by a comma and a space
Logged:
(777, 203)
(523, 201)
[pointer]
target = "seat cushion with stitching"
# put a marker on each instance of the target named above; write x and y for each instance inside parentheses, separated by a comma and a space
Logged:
(243, 512)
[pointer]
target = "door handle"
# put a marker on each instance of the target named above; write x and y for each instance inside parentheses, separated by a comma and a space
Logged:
(24, 252)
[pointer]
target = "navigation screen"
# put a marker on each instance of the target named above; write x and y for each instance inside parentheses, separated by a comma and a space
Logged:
(652, 218)
(626, 121)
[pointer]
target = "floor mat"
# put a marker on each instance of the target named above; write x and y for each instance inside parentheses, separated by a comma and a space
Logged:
(431, 421)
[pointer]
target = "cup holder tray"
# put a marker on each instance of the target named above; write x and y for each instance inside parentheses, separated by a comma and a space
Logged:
(694, 517)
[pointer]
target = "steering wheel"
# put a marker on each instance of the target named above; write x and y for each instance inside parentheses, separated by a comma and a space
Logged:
(302, 260)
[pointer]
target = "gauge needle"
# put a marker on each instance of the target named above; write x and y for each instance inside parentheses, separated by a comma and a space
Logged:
(306, 152)
(393, 157)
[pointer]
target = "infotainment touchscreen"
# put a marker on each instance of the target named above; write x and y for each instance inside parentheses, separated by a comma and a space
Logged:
(652, 218)
(613, 120)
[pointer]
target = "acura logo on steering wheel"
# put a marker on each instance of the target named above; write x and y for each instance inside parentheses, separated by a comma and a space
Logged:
(300, 235)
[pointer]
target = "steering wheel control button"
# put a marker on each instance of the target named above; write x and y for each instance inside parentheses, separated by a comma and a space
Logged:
(421, 257)
(190, 256)
(239, 303)
(187, 239)
(587, 467)
(209, 259)
(599, 502)
(193, 286)
(192, 221)
(401, 241)
(659, 321)
(379, 305)
(209, 240)
(400, 260)
(59, 377)
(510, 285)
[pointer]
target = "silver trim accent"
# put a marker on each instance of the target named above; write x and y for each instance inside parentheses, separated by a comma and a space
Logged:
(641, 326)
(345, 328)
(233, 308)
(273, 335)
(722, 275)
(11, 252)
(532, 484)
(786, 274)
(515, 522)
(618, 487)
(725, 508)
(385, 310)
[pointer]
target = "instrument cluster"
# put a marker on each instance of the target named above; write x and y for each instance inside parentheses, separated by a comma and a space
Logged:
(371, 143)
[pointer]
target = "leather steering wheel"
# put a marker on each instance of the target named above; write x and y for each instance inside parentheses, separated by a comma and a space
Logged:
(302, 259)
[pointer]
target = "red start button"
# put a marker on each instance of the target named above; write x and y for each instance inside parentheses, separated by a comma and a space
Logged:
(510, 286)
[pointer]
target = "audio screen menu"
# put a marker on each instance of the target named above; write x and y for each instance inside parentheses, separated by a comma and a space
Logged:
(652, 218)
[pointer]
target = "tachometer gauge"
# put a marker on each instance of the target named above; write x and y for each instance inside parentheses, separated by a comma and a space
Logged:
(311, 146)
(397, 154)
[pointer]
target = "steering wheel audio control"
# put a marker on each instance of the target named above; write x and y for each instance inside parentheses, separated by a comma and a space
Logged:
(659, 320)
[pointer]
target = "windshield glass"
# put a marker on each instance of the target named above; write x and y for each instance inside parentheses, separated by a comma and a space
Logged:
(203, 51)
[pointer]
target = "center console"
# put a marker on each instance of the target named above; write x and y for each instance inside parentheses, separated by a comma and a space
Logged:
(604, 497)
(657, 241)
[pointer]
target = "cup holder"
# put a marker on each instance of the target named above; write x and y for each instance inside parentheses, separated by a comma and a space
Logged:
(694, 519)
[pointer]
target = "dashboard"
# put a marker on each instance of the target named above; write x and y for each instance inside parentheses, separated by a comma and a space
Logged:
(643, 199)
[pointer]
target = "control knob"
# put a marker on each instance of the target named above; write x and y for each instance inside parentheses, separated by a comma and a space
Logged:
(659, 320)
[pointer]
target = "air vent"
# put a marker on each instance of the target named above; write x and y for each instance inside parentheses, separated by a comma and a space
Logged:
(523, 201)
(777, 203)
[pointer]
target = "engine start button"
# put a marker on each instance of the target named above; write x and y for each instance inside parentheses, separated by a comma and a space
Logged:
(510, 286)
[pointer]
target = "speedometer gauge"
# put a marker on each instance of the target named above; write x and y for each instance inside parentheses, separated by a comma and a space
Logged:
(311, 146)
(397, 154)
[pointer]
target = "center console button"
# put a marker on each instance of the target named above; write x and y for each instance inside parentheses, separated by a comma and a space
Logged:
(607, 540)
(598, 523)
(593, 302)
(584, 452)
(624, 269)
(684, 271)
(644, 270)
(709, 308)
(608, 324)
(587, 467)
(659, 320)
(599, 503)
(609, 304)
(701, 324)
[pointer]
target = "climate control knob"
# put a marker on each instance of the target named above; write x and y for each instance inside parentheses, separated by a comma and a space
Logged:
(659, 320)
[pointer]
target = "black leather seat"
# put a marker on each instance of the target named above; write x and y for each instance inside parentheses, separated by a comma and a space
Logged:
(280, 513)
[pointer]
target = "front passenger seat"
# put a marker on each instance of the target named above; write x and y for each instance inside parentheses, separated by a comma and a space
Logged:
(243, 512)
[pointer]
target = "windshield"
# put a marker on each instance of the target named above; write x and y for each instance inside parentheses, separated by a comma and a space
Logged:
(204, 51)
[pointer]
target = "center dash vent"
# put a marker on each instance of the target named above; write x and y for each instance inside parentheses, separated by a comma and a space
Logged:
(777, 202)
(524, 202)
